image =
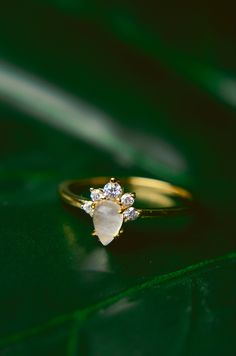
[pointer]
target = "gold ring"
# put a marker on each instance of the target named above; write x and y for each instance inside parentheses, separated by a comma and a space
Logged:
(110, 206)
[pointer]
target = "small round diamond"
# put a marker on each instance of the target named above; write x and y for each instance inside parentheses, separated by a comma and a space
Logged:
(88, 207)
(112, 190)
(96, 194)
(131, 214)
(127, 199)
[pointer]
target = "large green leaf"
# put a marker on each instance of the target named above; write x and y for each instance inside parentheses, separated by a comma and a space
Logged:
(101, 91)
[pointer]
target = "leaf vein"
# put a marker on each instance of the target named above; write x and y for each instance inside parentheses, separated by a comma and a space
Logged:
(84, 313)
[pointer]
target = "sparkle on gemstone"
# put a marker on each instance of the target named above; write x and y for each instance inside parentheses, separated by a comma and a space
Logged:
(107, 220)
(96, 194)
(127, 199)
(130, 214)
(112, 190)
(88, 207)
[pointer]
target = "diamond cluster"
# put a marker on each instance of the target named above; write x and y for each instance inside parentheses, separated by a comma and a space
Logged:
(112, 191)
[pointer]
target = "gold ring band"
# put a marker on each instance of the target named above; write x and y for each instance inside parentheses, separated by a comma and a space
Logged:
(159, 198)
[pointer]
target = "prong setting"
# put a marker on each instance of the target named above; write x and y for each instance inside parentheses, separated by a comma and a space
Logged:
(97, 194)
(110, 207)
(127, 200)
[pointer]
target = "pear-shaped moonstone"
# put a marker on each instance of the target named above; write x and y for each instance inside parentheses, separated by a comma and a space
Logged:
(107, 221)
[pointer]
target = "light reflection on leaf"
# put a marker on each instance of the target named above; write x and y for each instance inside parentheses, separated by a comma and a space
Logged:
(61, 110)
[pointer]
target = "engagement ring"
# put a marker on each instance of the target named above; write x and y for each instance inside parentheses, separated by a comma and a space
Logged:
(110, 205)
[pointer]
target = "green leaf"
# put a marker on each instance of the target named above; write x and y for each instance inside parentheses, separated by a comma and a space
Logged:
(103, 92)
(190, 300)
(127, 24)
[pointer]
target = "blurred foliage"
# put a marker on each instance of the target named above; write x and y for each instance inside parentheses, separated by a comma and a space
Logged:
(114, 88)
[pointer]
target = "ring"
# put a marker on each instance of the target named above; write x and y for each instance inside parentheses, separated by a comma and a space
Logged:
(111, 206)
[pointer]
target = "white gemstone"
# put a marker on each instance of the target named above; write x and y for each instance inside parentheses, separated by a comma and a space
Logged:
(131, 214)
(96, 194)
(88, 207)
(127, 199)
(112, 190)
(107, 220)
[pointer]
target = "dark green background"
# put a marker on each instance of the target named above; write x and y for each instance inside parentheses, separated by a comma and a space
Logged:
(117, 88)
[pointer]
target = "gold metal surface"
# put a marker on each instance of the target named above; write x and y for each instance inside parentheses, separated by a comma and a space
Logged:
(165, 199)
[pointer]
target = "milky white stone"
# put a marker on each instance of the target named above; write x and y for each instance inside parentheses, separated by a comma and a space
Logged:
(107, 221)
